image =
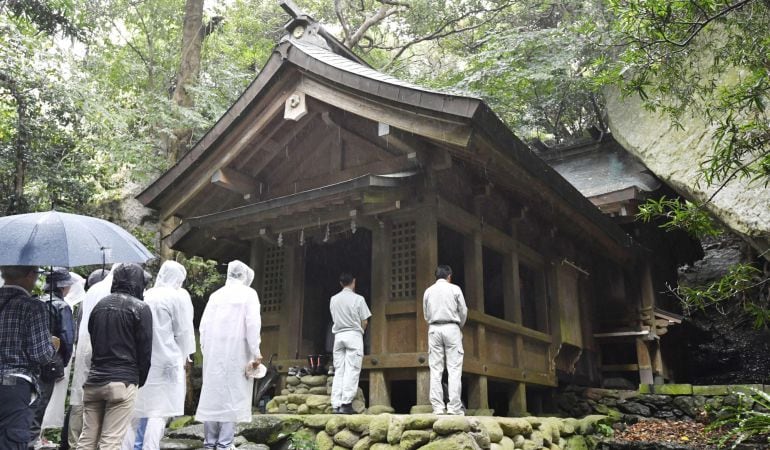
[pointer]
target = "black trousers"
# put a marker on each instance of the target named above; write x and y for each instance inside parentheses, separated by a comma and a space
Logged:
(38, 410)
(15, 415)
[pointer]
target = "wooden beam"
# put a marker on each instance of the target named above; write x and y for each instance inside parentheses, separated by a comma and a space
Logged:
(644, 361)
(442, 129)
(226, 156)
(235, 181)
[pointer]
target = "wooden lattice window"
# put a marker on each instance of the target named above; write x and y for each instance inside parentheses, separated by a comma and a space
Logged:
(403, 276)
(272, 292)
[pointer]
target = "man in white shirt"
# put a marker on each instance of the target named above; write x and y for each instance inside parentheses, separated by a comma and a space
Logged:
(445, 311)
(350, 316)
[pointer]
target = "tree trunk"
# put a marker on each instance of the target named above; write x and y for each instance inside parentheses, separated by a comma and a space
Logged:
(17, 203)
(189, 69)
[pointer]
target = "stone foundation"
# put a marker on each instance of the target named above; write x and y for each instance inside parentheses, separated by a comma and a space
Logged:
(310, 394)
(667, 401)
(406, 432)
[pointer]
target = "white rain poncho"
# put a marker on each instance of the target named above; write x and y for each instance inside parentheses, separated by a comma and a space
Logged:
(173, 339)
(83, 351)
(230, 338)
(54, 412)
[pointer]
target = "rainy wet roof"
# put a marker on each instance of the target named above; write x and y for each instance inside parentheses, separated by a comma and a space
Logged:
(600, 167)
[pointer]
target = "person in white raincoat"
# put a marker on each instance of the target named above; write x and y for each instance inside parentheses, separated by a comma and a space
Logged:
(54, 412)
(173, 340)
(230, 338)
(83, 352)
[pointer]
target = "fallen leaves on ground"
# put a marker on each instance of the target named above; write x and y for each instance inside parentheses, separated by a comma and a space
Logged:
(692, 434)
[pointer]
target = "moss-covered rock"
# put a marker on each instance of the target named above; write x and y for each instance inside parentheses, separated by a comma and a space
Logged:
(180, 422)
(180, 444)
(481, 438)
(484, 412)
(299, 409)
(334, 425)
(395, 430)
(569, 426)
(492, 427)
(419, 421)
(317, 390)
(268, 429)
(421, 409)
(378, 428)
(363, 444)
(412, 439)
(538, 439)
(317, 401)
(316, 421)
(507, 443)
(314, 380)
(297, 399)
(323, 441)
(292, 380)
(451, 424)
(673, 389)
(518, 441)
(382, 446)
(513, 425)
(576, 443)
(359, 423)
(457, 441)
(550, 429)
(710, 391)
(588, 423)
(380, 409)
(346, 438)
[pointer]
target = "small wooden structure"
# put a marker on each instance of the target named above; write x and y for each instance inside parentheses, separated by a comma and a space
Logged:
(324, 164)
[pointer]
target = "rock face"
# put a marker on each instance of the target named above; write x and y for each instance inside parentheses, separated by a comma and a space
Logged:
(675, 154)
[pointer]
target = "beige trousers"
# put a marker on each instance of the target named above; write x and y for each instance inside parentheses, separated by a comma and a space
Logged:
(445, 349)
(76, 425)
(107, 412)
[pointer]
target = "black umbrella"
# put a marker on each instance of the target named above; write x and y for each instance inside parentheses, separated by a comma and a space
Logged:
(59, 239)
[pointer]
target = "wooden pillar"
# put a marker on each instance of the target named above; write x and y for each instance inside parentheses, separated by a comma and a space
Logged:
(517, 401)
(427, 260)
(290, 332)
(512, 296)
(167, 226)
(644, 361)
(478, 396)
(381, 261)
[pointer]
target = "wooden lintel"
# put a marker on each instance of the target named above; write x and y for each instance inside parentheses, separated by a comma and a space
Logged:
(227, 155)
(443, 130)
(266, 235)
(235, 181)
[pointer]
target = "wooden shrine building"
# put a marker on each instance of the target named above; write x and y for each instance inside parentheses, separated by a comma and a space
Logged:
(325, 165)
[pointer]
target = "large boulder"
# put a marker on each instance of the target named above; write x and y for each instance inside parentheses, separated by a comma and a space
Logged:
(457, 441)
(512, 426)
(412, 439)
(675, 153)
(346, 438)
(180, 444)
(188, 432)
(323, 441)
(378, 428)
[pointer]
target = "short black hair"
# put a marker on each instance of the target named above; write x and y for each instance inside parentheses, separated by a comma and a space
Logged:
(443, 271)
(346, 278)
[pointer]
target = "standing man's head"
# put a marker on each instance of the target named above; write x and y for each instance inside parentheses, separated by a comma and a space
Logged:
(23, 276)
(59, 281)
(444, 272)
(348, 281)
(95, 277)
(128, 279)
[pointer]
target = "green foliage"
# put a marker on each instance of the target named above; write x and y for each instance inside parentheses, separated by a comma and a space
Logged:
(202, 276)
(302, 440)
(605, 430)
(749, 420)
(734, 285)
(707, 58)
(678, 214)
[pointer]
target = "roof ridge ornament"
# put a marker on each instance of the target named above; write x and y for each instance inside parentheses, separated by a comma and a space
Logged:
(302, 27)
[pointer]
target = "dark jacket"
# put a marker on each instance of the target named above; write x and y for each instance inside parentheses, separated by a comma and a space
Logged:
(121, 331)
(61, 324)
(25, 341)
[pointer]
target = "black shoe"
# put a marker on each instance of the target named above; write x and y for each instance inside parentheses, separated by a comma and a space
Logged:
(347, 408)
(336, 411)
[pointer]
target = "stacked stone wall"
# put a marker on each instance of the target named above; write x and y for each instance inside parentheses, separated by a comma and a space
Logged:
(412, 432)
(310, 394)
(668, 401)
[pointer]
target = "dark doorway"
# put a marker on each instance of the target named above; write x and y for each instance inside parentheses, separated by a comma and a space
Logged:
(451, 252)
(324, 262)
